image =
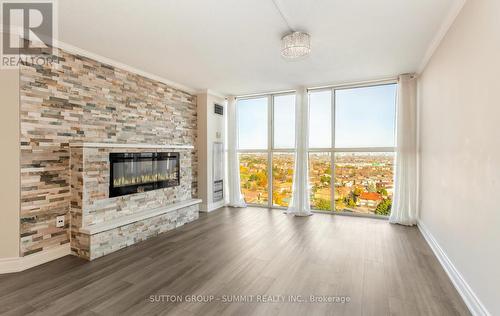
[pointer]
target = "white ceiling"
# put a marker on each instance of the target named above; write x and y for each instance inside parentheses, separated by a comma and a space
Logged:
(232, 46)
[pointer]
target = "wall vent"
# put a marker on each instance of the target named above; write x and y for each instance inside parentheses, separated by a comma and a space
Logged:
(218, 109)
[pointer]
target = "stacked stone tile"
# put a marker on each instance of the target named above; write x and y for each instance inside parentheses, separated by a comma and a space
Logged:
(112, 240)
(90, 204)
(82, 100)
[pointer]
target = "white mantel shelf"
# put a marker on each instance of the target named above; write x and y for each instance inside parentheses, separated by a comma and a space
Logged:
(115, 145)
(132, 218)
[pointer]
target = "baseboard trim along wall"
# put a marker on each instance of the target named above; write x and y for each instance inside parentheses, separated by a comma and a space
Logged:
(470, 298)
(204, 208)
(10, 265)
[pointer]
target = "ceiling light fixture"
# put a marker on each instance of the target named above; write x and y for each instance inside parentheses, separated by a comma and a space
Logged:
(294, 45)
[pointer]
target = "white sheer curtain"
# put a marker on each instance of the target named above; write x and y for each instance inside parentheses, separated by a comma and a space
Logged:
(235, 197)
(299, 205)
(404, 206)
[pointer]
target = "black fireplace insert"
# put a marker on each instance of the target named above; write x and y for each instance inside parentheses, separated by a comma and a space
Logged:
(139, 172)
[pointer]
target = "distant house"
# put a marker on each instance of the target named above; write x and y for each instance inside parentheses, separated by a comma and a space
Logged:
(370, 199)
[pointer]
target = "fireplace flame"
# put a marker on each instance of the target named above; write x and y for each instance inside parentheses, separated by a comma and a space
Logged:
(125, 181)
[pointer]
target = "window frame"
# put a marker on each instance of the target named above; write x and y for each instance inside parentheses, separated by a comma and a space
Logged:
(334, 149)
(271, 149)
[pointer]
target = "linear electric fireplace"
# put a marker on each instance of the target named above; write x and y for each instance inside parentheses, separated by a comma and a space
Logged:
(139, 172)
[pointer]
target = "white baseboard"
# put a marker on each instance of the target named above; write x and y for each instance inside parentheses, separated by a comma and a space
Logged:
(10, 265)
(204, 208)
(470, 298)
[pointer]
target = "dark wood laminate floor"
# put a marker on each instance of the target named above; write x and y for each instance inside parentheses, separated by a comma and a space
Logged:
(384, 269)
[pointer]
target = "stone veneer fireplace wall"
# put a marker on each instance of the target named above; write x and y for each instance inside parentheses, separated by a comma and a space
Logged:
(83, 100)
(100, 224)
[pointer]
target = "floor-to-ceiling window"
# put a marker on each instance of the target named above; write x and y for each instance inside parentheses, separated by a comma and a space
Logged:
(266, 131)
(351, 148)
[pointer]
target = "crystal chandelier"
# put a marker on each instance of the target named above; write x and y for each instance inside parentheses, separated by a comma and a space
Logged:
(295, 45)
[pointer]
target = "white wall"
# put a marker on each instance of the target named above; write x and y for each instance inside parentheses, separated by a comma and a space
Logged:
(9, 168)
(460, 148)
(211, 128)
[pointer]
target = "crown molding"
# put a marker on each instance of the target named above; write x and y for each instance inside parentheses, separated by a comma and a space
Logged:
(82, 52)
(211, 92)
(105, 60)
(441, 33)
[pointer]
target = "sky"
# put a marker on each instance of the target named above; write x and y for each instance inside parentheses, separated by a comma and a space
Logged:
(252, 123)
(364, 117)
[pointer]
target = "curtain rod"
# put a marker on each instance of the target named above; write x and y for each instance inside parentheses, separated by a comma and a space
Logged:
(337, 85)
(356, 83)
(252, 95)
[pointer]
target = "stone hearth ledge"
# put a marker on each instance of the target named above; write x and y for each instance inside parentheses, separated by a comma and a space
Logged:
(129, 219)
